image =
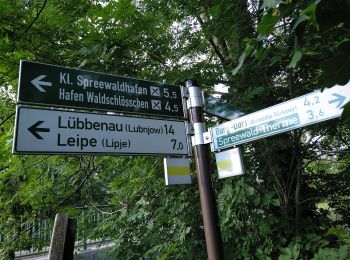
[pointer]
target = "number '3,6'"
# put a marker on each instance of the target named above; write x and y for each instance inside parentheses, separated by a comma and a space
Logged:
(314, 114)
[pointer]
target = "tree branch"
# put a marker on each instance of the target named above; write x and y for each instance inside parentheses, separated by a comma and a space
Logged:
(313, 198)
(213, 44)
(7, 118)
(86, 177)
(31, 24)
(36, 163)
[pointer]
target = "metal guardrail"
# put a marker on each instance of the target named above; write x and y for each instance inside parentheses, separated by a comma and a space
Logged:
(37, 236)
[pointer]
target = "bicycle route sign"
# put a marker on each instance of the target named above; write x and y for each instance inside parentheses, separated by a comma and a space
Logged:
(51, 85)
(48, 131)
(305, 110)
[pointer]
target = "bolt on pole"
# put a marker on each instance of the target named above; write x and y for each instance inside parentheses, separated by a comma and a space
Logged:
(202, 160)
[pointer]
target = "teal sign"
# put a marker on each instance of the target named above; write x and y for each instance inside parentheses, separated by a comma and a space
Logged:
(51, 85)
(259, 131)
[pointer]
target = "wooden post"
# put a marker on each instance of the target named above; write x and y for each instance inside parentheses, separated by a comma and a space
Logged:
(70, 239)
(58, 237)
(63, 238)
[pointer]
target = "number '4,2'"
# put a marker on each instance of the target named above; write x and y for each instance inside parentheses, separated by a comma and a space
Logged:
(315, 100)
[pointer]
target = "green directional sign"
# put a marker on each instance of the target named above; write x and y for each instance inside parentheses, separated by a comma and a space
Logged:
(309, 109)
(51, 85)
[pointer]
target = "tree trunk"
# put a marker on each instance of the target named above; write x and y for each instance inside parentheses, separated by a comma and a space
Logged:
(297, 197)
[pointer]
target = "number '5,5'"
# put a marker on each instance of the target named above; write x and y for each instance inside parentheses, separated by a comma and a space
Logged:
(167, 94)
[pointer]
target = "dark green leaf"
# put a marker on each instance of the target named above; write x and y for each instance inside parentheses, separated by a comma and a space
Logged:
(300, 19)
(295, 59)
(310, 12)
(346, 115)
(336, 70)
(248, 50)
(270, 4)
(268, 22)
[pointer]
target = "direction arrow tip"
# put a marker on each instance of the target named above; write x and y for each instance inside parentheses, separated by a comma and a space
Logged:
(34, 129)
(339, 100)
(38, 83)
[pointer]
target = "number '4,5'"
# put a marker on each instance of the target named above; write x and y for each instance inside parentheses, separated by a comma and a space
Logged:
(170, 109)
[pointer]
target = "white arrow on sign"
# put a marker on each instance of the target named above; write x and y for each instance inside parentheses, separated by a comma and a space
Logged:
(38, 83)
(309, 109)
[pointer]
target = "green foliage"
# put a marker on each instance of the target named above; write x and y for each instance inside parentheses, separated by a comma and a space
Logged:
(268, 22)
(310, 14)
(329, 253)
(244, 206)
(342, 233)
(295, 183)
(291, 252)
(295, 59)
(346, 115)
(250, 45)
(336, 68)
(144, 217)
(267, 4)
(297, 20)
(312, 246)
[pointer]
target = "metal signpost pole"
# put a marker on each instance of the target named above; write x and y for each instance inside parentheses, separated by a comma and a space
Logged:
(202, 159)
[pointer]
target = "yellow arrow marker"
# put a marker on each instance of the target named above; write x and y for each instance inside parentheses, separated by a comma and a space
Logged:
(225, 164)
(177, 171)
(229, 163)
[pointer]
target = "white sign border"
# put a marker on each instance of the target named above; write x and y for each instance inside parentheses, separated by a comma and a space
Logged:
(16, 152)
(319, 91)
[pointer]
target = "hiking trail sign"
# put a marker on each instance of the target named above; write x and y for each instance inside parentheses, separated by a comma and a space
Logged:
(45, 131)
(305, 110)
(51, 85)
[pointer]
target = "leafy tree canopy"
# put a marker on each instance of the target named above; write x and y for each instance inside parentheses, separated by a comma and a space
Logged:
(293, 201)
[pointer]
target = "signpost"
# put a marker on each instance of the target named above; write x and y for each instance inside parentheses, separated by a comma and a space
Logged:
(48, 131)
(42, 131)
(51, 85)
(202, 159)
(309, 109)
